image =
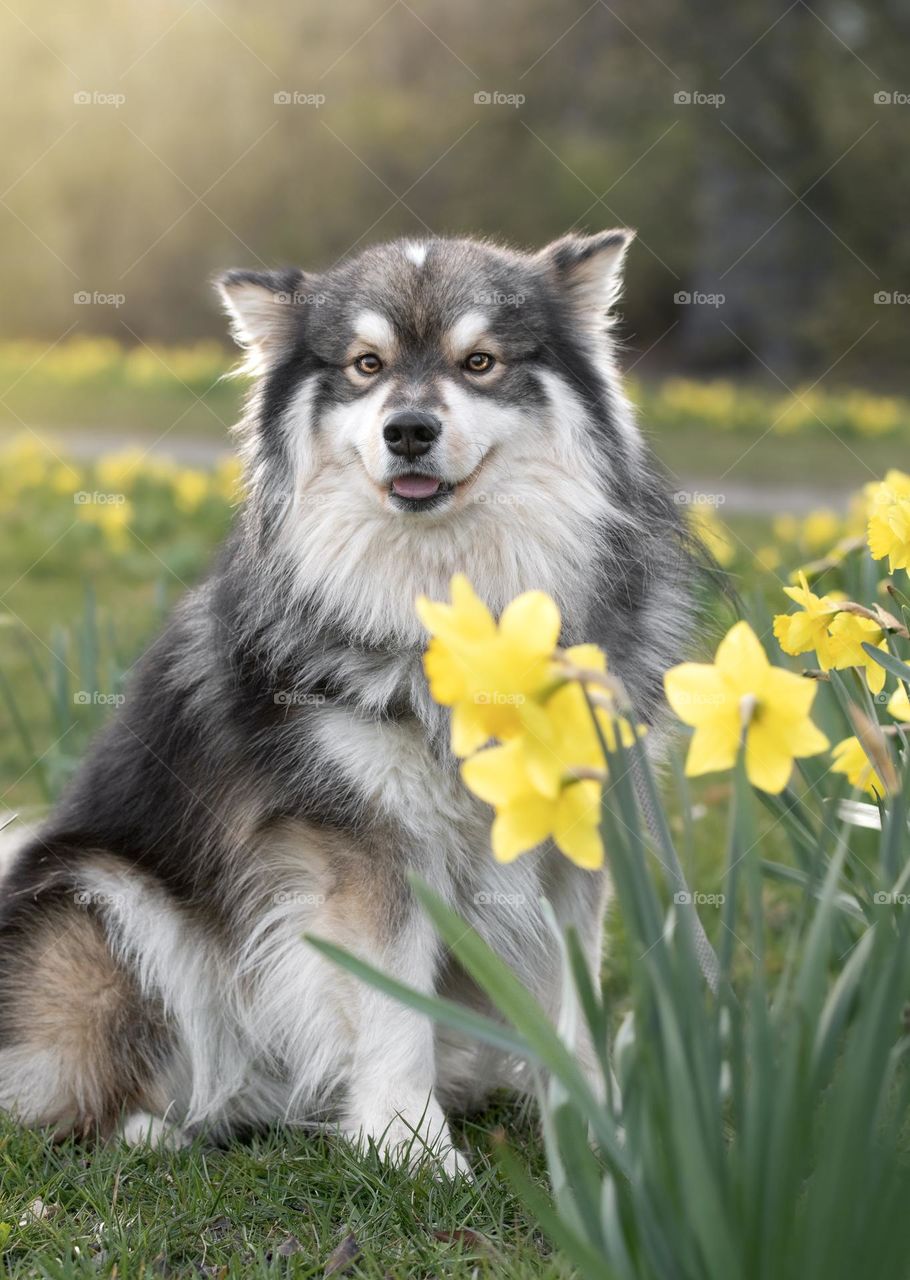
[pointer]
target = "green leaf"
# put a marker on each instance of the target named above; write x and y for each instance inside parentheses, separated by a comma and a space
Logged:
(888, 661)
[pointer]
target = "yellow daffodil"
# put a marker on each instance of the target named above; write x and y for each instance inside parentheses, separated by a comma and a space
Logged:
(118, 472)
(524, 817)
(785, 528)
(848, 634)
(768, 559)
(899, 704)
(191, 488)
(111, 518)
(65, 480)
(889, 527)
(850, 759)
(898, 481)
(743, 695)
(486, 672)
(820, 529)
(560, 736)
(808, 628)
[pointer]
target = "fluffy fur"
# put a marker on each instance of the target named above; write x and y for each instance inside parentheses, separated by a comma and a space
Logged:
(279, 767)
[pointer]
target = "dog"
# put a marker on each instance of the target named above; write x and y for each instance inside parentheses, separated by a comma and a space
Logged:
(278, 767)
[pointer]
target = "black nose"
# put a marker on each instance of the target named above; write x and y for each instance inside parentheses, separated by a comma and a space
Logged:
(409, 434)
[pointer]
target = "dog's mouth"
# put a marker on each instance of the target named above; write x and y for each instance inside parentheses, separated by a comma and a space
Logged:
(421, 491)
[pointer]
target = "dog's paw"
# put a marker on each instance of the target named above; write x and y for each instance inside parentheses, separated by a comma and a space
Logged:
(412, 1138)
(140, 1129)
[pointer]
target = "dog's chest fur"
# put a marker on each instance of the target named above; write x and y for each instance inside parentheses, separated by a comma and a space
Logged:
(445, 831)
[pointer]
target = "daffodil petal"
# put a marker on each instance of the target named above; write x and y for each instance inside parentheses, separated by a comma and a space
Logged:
(576, 826)
(695, 690)
(590, 656)
(531, 622)
(712, 752)
(875, 673)
(899, 704)
(520, 828)
(496, 774)
(768, 762)
(470, 729)
(739, 651)
(788, 694)
(444, 674)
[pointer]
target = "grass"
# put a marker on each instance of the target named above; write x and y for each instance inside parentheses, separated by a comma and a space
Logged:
(283, 1203)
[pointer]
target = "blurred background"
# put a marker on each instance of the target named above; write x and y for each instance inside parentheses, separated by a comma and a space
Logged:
(759, 149)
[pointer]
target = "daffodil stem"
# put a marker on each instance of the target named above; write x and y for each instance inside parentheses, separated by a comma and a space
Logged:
(878, 615)
(581, 773)
(591, 676)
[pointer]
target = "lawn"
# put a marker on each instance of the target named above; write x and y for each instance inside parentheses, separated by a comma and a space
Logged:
(285, 1203)
(85, 584)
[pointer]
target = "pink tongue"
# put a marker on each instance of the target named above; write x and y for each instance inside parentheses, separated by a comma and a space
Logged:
(415, 486)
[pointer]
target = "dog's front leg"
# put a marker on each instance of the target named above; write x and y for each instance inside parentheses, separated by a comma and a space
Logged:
(391, 1096)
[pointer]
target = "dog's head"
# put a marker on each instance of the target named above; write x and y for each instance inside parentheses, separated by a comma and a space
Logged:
(437, 397)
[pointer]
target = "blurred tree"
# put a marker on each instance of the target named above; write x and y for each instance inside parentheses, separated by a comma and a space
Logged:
(183, 156)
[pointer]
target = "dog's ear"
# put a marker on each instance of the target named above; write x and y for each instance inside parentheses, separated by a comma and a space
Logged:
(588, 269)
(265, 307)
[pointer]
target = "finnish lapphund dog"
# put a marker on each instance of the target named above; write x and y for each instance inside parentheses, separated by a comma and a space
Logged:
(278, 767)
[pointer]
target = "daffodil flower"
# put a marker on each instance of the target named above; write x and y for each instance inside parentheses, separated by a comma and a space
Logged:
(889, 526)
(851, 760)
(742, 696)
(820, 529)
(899, 704)
(560, 734)
(808, 627)
(487, 673)
(524, 817)
(849, 632)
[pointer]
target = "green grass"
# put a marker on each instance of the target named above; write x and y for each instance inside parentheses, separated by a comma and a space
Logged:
(279, 1204)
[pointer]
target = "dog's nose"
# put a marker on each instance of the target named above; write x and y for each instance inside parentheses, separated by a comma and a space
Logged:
(410, 433)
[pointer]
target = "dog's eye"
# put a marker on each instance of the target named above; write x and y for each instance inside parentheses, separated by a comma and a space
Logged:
(479, 362)
(369, 365)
